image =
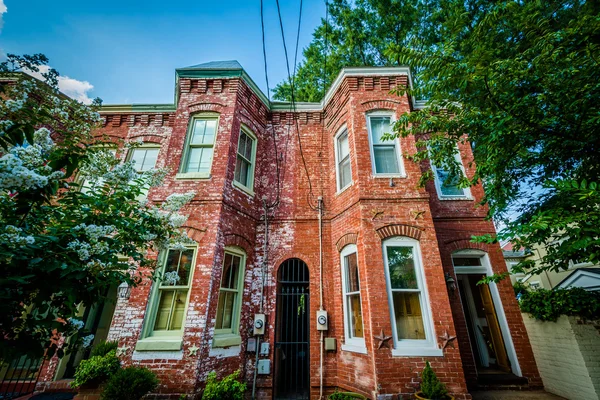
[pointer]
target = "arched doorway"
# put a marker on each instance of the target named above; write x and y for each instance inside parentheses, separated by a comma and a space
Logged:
(292, 327)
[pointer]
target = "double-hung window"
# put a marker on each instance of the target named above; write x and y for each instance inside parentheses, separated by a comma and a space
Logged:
(230, 299)
(200, 147)
(144, 158)
(245, 160)
(412, 327)
(385, 154)
(168, 305)
(342, 159)
(353, 320)
(448, 186)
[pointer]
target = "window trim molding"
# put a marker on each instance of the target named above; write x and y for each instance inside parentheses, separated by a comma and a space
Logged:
(231, 337)
(357, 345)
(402, 171)
(182, 174)
(412, 347)
(341, 131)
(247, 189)
(172, 341)
(438, 185)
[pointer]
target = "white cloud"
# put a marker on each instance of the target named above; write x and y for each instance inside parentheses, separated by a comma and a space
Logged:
(3, 9)
(73, 88)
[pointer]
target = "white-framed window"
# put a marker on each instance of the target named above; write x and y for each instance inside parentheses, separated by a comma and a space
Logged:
(231, 288)
(386, 155)
(342, 160)
(199, 148)
(412, 326)
(245, 161)
(449, 189)
(353, 319)
(144, 157)
(167, 308)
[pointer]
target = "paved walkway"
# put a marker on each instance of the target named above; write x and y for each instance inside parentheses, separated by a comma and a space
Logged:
(514, 395)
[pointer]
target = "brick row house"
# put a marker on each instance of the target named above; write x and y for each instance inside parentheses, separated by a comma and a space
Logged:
(301, 210)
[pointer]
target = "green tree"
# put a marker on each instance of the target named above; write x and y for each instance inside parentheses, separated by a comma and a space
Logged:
(61, 247)
(519, 80)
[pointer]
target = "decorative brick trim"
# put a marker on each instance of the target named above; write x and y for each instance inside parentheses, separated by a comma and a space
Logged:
(234, 239)
(215, 107)
(348, 238)
(194, 233)
(148, 138)
(389, 231)
(373, 105)
(465, 244)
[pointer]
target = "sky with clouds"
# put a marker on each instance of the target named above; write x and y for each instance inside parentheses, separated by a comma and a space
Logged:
(126, 51)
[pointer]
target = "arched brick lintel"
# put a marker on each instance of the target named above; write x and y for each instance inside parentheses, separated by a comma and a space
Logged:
(466, 244)
(389, 231)
(199, 107)
(348, 238)
(234, 239)
(147, 138)
(374, 105)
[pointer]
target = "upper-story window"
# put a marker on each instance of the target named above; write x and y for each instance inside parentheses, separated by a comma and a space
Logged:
(448, 186)
(245, 160)
(412, 325)
(385, 154)
(144, 158)
(353, 320)
(200, 146)
(342, 160)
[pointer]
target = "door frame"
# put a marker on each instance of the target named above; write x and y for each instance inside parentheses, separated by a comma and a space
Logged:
(486, 269)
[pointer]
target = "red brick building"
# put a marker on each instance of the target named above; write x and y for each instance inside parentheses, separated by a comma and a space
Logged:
(301, 210)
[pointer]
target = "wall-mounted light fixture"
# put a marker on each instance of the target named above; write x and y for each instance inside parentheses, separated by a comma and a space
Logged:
(124, 291)
(450, 283)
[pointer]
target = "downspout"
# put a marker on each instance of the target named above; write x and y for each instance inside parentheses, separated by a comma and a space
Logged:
(262, 292)
(320, 209)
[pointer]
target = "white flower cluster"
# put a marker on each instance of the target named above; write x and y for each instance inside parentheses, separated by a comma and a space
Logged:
(87, 341)
(77, 324)
(121, 174)
(82, 249)
(13, 238)
(177, 200)
(95, 232)
(171, 278)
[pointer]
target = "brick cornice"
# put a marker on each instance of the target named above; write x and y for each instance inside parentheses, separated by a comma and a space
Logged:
(392, 230)
(348, 238)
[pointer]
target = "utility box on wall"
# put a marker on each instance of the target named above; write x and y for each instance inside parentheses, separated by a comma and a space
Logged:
(264, 367)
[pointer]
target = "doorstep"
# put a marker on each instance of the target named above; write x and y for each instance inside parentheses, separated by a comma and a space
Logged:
(513, 395)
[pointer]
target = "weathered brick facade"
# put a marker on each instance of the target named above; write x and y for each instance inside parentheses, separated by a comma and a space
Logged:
(369, 211)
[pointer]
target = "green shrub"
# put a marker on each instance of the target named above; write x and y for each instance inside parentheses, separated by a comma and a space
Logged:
(337, 395)
(103, 348)
(229, 388)
(130, 383)
(431, 387)
(548, 305)
(96, 370)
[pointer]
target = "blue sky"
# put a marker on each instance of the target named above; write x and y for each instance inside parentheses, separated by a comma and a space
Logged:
(128, 49)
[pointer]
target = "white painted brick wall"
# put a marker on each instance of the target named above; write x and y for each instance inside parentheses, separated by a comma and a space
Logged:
(567, 355)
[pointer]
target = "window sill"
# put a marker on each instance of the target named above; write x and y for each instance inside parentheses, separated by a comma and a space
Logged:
(342, 190)
(361, 349)
(388, 176)
(192, 175)
(226, 340)
(417, 352)
(243, 188)
(159, 343)
(457, 198)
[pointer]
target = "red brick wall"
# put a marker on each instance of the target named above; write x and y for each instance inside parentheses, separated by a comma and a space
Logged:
(222, 215)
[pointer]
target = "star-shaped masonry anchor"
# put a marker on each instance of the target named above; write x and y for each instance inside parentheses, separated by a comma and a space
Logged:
(121, 351)
(447, 340)
(383, 340)
(193, 350)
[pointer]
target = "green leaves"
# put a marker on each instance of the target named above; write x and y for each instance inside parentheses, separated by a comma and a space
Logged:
(548, 305)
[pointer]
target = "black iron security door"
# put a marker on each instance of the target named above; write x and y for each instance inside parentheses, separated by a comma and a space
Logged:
(292, 379)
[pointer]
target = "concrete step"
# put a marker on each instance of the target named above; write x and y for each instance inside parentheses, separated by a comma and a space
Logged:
(514, 395)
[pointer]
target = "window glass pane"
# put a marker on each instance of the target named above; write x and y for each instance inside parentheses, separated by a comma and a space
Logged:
(178, 310)
(164, 309)
(402, 267)
(343, 147)
(225, 310)
(242, 171)
(450, 189)
(355, 316)
(409, 320)
(352, 284)
(231, 269)
(204, 131)
(386, 161)
(467, 261)
(177, 269)
(245, 146)
(345, 173)
(199, 159)
(379, 126)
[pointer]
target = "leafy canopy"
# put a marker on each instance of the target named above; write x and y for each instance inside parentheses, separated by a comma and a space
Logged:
(61, 247)
(520, 78)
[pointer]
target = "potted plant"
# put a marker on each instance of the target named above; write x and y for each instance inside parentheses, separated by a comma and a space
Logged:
(431, 387)
(131, 383)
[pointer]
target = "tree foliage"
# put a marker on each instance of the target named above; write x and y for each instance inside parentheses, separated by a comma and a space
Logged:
(520, 78)
(62, 248)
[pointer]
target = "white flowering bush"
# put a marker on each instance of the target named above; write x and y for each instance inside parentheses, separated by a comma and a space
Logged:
(62, 247)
